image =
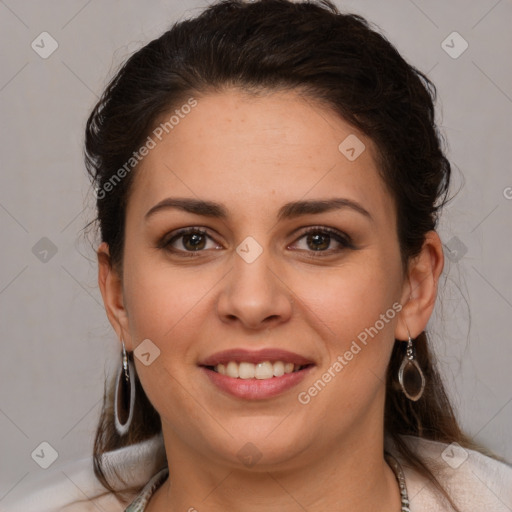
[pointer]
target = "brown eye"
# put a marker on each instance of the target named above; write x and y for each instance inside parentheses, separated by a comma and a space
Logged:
(318, 241)
(194, 242)
(188, 240)
(323, 240)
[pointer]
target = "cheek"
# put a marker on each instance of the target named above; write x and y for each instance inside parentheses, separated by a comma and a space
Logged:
(352, 297)
(161, 299)
(356, 308)
(167, 306)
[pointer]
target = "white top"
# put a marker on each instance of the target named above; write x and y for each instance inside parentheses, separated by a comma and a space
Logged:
(475, 482)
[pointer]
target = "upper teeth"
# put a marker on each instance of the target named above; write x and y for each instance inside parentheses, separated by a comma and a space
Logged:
(264, 370)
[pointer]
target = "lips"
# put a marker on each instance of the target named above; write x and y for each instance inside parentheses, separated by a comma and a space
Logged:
(255, 356)
(245, 374)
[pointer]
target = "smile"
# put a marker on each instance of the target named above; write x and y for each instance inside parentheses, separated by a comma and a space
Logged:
(262, 371)
(255, 374)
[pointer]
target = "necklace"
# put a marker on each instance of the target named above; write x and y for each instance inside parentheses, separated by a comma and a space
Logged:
(399, 473)
(159, 478)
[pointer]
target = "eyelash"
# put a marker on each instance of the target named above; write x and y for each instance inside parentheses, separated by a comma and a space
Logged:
(343, 239)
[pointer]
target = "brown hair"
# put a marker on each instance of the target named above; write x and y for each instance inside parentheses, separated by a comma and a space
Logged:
(337, 59)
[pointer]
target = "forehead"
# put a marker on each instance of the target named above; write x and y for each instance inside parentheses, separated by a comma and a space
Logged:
(253, 153)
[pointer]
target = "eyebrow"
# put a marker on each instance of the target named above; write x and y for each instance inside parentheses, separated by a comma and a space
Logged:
(287, 211)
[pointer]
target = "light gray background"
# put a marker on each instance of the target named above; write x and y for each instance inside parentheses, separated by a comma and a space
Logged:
(56, 340)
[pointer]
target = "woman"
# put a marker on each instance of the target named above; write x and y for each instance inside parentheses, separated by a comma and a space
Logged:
(268, 179)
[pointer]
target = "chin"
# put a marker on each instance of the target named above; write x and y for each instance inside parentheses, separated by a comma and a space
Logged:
(260, 446)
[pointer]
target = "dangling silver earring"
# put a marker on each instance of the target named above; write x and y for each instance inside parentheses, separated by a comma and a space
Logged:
(410, 376)
(124, 395)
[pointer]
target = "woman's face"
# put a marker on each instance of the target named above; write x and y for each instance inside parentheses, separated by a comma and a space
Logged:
(250, 278)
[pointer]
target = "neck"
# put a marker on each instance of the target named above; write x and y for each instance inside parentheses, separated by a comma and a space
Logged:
(353, 477)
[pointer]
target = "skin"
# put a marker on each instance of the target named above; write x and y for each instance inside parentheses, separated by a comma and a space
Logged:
(253, 155)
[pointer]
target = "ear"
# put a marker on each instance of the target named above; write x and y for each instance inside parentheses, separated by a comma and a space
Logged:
(420, 288)
(111, 286)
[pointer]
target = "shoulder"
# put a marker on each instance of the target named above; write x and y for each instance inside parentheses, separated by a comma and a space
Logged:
(474, 481)
(73, 487)
(140, 502)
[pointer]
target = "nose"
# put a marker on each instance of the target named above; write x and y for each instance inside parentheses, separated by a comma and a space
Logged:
(253, 295)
